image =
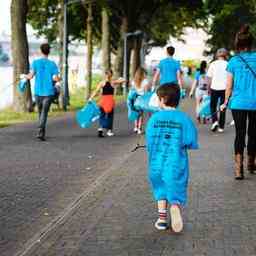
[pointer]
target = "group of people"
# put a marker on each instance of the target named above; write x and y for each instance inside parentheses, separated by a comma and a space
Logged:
(212, 82)
(171, 132)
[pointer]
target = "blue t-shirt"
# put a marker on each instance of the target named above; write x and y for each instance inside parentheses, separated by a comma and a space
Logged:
(44, 70)
(168, 70)
(168, 135)
(197, 75)
(244, 82)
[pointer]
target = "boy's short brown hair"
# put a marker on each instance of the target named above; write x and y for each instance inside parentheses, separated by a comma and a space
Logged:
(170, 50)
(45, 48)
(170, 92)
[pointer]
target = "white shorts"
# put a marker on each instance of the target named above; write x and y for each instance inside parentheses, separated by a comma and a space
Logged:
(200, 93)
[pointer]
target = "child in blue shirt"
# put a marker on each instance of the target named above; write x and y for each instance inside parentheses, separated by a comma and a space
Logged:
(169, 134)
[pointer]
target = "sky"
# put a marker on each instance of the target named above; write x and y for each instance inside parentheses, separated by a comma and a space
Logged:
(5, 22)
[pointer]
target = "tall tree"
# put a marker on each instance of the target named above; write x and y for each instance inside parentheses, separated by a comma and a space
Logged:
(20, 53)
(105, 41)
(89, 53)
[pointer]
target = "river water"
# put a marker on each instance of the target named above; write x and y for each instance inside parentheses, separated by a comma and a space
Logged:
(6, 87)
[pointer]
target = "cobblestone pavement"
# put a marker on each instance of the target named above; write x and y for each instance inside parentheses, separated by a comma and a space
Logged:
(116, 214)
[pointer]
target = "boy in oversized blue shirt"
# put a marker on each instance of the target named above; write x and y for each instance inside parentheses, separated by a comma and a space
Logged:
(169, 134)
(46, 74)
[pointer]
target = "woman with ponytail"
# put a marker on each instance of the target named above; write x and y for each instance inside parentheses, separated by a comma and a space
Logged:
(241, 97)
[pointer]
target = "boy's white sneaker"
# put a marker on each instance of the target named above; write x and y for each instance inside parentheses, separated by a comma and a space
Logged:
(161, 224)
(110, 133)
(135, 129)
(139, 131)
(176, 219)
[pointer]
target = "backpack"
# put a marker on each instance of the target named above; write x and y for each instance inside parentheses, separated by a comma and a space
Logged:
(203, 82)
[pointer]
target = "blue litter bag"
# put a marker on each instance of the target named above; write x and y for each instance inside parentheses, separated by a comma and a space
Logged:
(22, 85)
(142, 103)
(168, 135)
(133, 114)
(88, 114)
(205, 108)
(182, 93)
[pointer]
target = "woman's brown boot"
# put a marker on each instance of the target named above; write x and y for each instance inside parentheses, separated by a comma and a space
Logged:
(251, 166)
(239, 168)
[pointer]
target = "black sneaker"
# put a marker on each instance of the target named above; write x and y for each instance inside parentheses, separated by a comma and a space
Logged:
(41, 134)
(100, 134)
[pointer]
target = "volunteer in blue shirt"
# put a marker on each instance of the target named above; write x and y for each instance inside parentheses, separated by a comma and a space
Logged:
(46, 74)
(168, 70)
(241, 98)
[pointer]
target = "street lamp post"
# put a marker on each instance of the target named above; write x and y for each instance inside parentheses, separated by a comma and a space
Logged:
(125, 64)
(65, 58)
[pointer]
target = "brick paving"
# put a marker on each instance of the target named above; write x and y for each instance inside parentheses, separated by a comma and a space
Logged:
(116, 218)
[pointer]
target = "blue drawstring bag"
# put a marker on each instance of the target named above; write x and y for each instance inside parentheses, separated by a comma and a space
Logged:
(88, 114)
(22, 85)
(133, 114)
(205, 108)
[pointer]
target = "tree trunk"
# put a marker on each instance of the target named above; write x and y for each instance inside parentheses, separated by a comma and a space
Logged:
(105, 44)
(119, 59)
(88, 85)
(118, 66)
(136, 61)
(20, 53)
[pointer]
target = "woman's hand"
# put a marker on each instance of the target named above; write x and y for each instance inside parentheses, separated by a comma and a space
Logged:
(223, 107)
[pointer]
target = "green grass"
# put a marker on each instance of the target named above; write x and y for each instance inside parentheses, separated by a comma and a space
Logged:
(77, 101)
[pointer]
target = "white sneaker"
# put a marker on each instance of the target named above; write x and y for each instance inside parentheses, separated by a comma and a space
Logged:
(135, 129)
(110, 133)
(176, 219)
(139, 131)
(161, 224)
(220, 130)
(214, 126)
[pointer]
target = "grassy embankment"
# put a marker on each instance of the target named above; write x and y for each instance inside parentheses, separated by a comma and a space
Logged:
(9, 117)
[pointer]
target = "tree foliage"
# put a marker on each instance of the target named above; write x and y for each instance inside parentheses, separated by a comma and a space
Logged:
(226, 17)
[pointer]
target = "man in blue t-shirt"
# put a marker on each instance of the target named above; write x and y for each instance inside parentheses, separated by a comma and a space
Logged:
(46, 74)
(168, 70)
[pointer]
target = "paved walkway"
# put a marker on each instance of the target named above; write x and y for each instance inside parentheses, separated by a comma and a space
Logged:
(114, 214)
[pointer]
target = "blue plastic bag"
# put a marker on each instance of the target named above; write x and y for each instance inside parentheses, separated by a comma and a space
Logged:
(142, 103)
(88, 114)
(133, 114)
(205, 108)
(182, 93)
(22, 85)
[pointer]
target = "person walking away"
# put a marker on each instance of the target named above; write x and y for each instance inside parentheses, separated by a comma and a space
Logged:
(141, 85)
(169, 134)
(168, 70)
(241, 98)
(46, 74)
(107, 102)
(218, 77)
(200, 86)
